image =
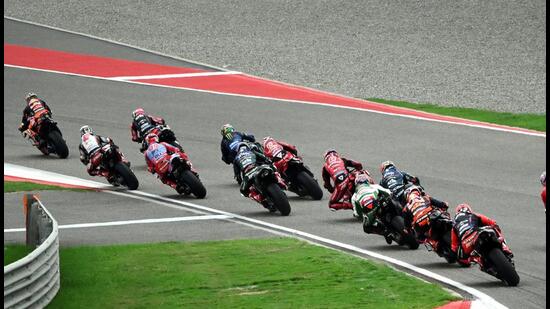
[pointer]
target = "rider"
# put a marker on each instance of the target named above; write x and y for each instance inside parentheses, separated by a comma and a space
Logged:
(367, 201)
(396, 180)
(35, 110)
(543, 192)
(143, 124)
(276, 150)
(465, 223)
(159, 156)
(248, 158)
(336, 169)
(229, 144)
(91, 151)
(418, 211)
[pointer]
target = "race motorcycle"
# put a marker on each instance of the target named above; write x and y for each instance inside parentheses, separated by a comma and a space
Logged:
(267, 181)
(114, 161)
(487, 247)
(187, 179)
(297, 175)
(439, 235)
(390, 216)
(165, 134)
(46, 129)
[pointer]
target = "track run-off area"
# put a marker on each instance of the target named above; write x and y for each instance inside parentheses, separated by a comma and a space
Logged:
(99, 83)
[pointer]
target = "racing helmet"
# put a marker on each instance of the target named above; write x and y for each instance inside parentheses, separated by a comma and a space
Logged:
(329, 152)
(543, 178)
(227, 131)
(85, 129)
(463, 208)
(29, 96)
(266, 140)
(385, 165)
(362, 178)
(151, 138)
(138, 111)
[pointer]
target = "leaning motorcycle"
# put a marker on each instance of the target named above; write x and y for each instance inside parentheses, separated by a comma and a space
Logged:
(487, 247)
(46, 129)
(187, 179)
(269, 184)
(297, 175)
(439, 238)
(394, 224)
(114, 161)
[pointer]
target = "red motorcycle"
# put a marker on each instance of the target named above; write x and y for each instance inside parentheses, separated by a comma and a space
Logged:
(487, 247)
(297, 175)
(187, 179)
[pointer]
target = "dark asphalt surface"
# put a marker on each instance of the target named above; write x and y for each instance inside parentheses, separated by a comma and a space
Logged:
(496, 172)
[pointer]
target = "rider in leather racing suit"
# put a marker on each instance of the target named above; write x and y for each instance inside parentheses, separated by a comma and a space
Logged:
(335, 169)
(229, 143)
(159, 156)
(143, 124)
(396, 180)
(248, 159)
(91, 151)
(466, 222)
(276, 150)
(35, 109)
(543, 192)
(366, 202)
(418, 210)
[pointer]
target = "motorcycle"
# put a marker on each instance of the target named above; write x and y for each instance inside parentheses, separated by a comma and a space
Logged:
(46, 129)
(267, 181)
(439, 238)
(297, 175)
(165, 134)
(114, 161)
(487, 247)
(187, 179)
(394, 224)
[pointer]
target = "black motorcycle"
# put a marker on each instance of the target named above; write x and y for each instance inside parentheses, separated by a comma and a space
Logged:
(113, 160)
(188, 181)
(267, 182)
(55, 144)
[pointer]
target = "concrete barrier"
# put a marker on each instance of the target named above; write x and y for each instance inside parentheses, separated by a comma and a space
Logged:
(33, 281)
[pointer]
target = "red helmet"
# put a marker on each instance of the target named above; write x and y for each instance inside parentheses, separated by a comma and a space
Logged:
(329, 152)
(151, 138)
(138, 111)
(266, 140)
(463, 208)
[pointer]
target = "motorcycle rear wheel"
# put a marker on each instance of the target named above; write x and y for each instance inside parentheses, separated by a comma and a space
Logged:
(311, 187)
(130, 180)
(59, 144)
(504, 268)
(279, 198)
(196, 186)
(398, 223)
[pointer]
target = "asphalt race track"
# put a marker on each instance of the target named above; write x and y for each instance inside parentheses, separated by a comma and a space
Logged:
(496, 172)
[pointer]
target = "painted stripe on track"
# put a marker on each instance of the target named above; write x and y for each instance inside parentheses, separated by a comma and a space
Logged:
(482, 300)
(184, 75)
(130, 222)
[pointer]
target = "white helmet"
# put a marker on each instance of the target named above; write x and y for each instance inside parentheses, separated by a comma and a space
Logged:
(85, 129)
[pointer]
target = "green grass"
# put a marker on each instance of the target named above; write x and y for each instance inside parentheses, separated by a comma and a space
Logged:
(17, 186)
(526, 121)
(266, 273)
(13, 253)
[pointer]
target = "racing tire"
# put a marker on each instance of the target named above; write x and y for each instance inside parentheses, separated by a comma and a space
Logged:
(59, 144)
(398, 223)
(310, 185)
(504, 268)
(130, 180)
(279, 198)
(449, 255)
(196, 186)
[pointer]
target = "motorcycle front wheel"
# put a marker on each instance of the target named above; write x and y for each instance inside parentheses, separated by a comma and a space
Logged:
(279, 198)
(196, 186)
(59, 144)
(130, 180)
(309, 185)
(504, 268)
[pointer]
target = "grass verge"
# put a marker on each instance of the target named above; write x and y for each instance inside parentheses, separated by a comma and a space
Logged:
(526, 121)
(266, 273)
(17, 186)
(13, 253)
